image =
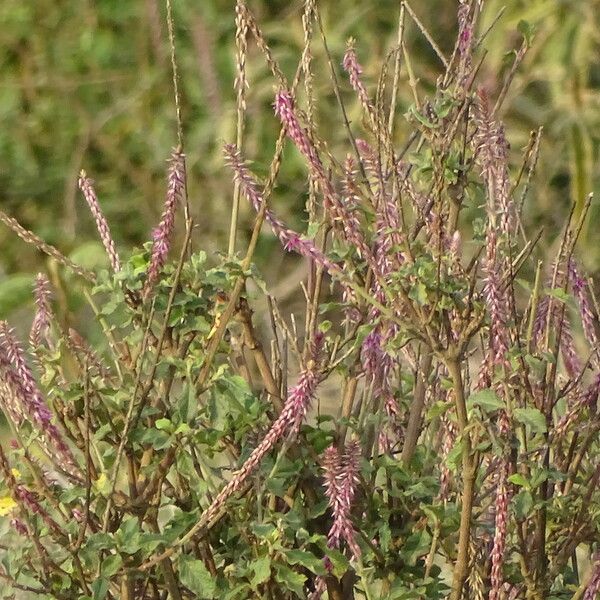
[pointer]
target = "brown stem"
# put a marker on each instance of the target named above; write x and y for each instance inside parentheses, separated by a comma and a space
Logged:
(347, 404)
(252, 342)
(334, 588)
(413, 428)
(167, 568)
(127, 587)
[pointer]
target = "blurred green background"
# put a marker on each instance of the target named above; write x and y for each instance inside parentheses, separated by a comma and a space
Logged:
(87, 84)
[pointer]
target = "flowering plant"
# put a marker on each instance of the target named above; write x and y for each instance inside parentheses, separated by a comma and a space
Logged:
(188, 452)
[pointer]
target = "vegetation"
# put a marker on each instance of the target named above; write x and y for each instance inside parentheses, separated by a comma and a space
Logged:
(417, 419)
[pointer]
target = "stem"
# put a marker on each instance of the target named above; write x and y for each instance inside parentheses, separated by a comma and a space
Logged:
(252, 342)
(413, 428)
(167, 569)
(469, 471)
(242, 29)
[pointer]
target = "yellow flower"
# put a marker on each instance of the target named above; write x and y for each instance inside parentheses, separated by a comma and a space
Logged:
(6, 505)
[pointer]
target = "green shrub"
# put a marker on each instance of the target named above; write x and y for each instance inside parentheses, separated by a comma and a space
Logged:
(423, 425)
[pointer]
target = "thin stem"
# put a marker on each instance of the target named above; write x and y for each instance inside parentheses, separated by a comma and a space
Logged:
(413, 429)
(177, 96)
(241, 33)
(469, 471)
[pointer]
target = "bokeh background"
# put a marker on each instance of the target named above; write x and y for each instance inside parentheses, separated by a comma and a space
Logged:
(87, 84)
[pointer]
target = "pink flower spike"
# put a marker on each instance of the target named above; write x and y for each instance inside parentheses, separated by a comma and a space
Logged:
(288, 422)
(86, 185)
(354, 70)
(341, 476)
(593, 587)
(501, 521)
(29, 402)
(288, 238)
(588, 316)
(161, 236)
(284, 109)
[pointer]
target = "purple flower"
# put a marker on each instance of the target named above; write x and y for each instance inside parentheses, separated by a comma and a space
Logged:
(497, 301)
(86, 185)
(491, 150)
(354, 70)
(341, 476)
(284, 109)
(19, 526)
(593, 588)
(501, 522)
(288, 422)
(336, 209)
(588, 317)
(161, 236)
(30, 395)
(288, 238)
(567, 347)
(29, 402)
(464, 42)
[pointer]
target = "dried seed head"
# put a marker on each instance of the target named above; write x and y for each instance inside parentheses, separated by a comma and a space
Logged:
(86, 185)
(43, 314)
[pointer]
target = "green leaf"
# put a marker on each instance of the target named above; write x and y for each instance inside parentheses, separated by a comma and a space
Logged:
(523, 503)
(531, 417)
(453, 460)
(262, 570)
(312, 230)
(102, 484)
(111, 564)
(263, 530)
(559, 294)
(163, 424)
(290, 579)
(339, 562)
(519, 480)
(71, 494)
(306, 559)
(417, 545)
(486, 399)
(421, 118)
(195, 576)
(418, 292)
(128, 536)
(99, 541)
(325, 326)
(100, 588)
(526, 29)
(240, 591)
(437, 409)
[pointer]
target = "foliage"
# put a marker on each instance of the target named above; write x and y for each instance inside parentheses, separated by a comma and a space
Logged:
(88, 87)
(424, 426)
